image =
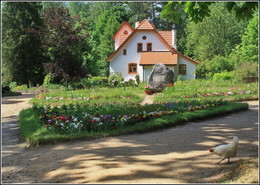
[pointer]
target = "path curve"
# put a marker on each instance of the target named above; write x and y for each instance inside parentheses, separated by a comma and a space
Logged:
(172, 155)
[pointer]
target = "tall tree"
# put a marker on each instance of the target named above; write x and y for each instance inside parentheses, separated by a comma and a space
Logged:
(101, 39)
(197, 11)
(249, 45)
(22, 52)
(216, 35)
(61, 38)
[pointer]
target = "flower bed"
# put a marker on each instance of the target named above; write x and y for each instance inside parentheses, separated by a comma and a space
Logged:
(72, 118)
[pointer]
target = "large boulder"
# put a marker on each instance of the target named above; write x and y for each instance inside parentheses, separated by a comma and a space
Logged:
(160, 77)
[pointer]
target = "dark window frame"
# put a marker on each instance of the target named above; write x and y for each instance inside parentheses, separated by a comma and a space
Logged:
(149, 46)
(139, 47)
(182, 69)
(132, 68)
(124, 52)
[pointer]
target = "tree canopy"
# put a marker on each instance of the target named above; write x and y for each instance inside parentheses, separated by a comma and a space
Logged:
(73, 39)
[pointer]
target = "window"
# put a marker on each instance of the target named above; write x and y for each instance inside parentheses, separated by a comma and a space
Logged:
(144, 37)
(124, 51)
(139, 47)
(182, 69)
(125, 32)
(132, 68)
(149, 46)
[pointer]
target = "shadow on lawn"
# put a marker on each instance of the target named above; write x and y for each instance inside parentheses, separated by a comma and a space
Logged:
(172, 155)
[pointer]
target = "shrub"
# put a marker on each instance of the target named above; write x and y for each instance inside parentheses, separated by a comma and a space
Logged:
(218, 64)
(21, 88)
(247, 69)
(223, 76)
(47, 80)
(179, 78)
(114, 79)
(12, 85)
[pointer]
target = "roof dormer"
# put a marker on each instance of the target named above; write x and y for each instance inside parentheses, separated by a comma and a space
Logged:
(122, 33)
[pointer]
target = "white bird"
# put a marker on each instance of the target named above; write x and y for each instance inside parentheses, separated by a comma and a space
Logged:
(227, 150)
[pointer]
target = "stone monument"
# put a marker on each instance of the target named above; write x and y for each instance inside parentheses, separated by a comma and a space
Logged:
(160, 77)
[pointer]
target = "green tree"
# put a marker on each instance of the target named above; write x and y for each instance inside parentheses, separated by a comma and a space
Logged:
(249, 45)
(197, 11)
(216, 35)
(218, 64)
(101, 39)
(22, 52)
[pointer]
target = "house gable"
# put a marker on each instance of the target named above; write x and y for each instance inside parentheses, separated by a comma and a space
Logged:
(122, 33)
(144, 26)
(164, 36)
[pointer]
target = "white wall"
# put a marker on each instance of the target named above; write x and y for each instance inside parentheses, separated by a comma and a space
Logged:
(120, 62)
(191, 67)
(121, 32)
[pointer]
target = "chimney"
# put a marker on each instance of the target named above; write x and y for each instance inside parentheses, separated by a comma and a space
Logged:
(174, 36)
(137, 23)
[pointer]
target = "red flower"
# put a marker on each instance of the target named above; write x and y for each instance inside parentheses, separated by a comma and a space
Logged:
(148, 92)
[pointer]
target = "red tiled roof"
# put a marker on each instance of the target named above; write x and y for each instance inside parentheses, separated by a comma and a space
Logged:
(122, 39)
(146, 26)
(167, 35)
(151, 58)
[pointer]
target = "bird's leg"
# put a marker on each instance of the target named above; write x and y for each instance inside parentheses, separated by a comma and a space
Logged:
(220, 160)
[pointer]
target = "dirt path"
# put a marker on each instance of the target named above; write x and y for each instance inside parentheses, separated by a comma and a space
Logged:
(172, 155)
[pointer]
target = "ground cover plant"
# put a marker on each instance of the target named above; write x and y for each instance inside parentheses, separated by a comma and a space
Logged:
(210, 90)
(48, 124)
(90, 96)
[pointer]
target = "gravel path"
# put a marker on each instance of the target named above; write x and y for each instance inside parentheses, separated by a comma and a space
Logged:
(172, 155)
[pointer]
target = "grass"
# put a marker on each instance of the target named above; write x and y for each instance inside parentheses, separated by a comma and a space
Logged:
(35, 133)
(90, 96)
(208, 89)
(244, 171)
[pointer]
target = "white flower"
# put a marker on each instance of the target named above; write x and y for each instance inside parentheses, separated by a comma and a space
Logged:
(96, 118)
(248, 92)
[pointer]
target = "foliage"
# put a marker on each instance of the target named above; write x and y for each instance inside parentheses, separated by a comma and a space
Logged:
(174, 13)
(60, 38)
(215, 35)
(12, 85)
(198, 11)
(22, 52)
(247, 69)
(249, 45)
(47, 80)
(115, 79)
(218, 64)
(223, 76)
(102, 44)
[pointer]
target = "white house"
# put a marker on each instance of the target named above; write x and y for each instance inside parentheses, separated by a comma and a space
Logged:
(138, 50)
